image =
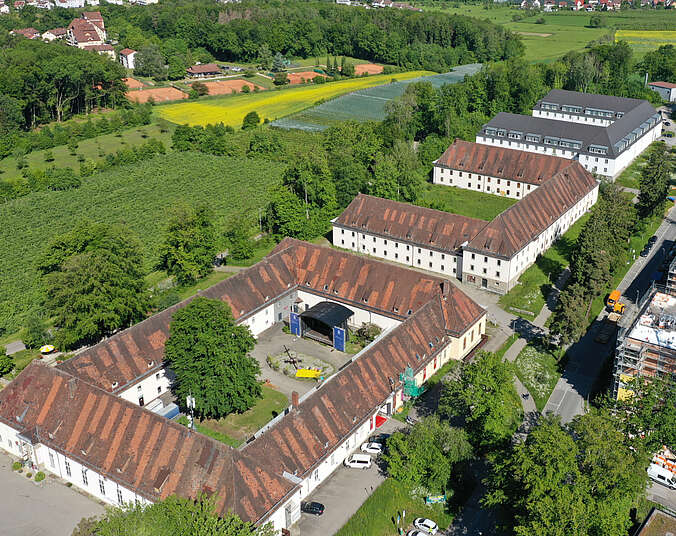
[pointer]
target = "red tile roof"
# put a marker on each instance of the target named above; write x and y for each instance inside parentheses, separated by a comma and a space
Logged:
(30, 33)
(126, 51)
(392, 291)
(99, 48)
(83, 31)
(204, 68)
(409, 223)
(510, 164)
(157, 457)
(667, 85)
(524, 221)
(57, 31)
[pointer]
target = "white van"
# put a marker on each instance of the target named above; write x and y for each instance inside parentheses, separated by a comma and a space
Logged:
(662, 476)
(358, 461)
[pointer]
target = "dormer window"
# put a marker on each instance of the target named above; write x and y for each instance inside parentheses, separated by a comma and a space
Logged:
(326, 287)
(395, 309)
(409, 311)
(114, 385)
(151, 364)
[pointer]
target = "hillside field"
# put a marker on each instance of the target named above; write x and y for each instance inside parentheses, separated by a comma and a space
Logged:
(230, 110)
(139, 195)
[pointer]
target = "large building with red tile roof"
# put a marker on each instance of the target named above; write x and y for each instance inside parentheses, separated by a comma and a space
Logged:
(496, 170)
(87, 31)
(75, 420)
(554, 193)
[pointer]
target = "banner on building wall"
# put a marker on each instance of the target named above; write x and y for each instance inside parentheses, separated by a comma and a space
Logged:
(339, 338)
(294, 323)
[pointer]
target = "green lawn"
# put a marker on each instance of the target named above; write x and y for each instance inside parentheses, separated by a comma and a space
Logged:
(155, 278)
(238, 427)
(629, 177)
(466, 202)
(534, 284)
(21, 360)
(93, 149)
(538, 370)
(376, 515)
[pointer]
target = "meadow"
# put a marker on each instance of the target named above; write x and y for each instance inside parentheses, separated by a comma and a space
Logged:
(139, 195)
(271, 105)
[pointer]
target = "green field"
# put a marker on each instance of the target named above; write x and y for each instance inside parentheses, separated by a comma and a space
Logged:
(92, 149)
(230, 110)
(466, 202)
(564, 31)
(140, 196)
(538, 370)
(374, 517)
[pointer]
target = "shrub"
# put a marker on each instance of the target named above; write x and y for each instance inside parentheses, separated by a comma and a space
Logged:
(35, 331)
(246, 89)
(49, 156)
(541, 20)
(62, 179)
(200, 88)
(251, 120)
(6, 363)
(39, 476)
(28, 475)
(16, 466)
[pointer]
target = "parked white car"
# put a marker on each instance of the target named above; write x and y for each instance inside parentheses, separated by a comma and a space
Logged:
(372, 448)
(358, 461)
(426, 525)
(416, 532)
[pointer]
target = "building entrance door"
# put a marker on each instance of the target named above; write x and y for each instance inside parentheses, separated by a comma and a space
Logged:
(140, 400)
(484, 282)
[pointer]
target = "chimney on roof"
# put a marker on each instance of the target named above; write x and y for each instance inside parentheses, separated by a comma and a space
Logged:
(445, 287)
(71, 388)
(294, 399)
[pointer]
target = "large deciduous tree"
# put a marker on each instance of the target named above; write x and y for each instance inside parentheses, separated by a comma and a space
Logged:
(425, 454)
(176, 516)
(485, 398)
(94, 282)
(189, 245)
(579, 479)
(208, 353)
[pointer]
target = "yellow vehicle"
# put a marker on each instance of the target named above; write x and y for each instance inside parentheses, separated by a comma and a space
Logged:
(613, 303)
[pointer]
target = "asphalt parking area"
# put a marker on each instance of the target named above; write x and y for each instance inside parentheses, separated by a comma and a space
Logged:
(47, 509)
(342, 494)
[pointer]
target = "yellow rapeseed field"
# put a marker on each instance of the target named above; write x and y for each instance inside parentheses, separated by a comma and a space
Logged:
(270, 104)
(646, 38)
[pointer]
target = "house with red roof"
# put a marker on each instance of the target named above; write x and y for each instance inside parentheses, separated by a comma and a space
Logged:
(666, 90)
(128, 58)
(87, 31)
(28, 33)
(202, 70)
(55, 33)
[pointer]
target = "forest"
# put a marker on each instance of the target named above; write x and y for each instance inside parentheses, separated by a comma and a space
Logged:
(186, 31)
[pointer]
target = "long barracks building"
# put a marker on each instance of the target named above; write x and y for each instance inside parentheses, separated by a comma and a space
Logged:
(84, 420)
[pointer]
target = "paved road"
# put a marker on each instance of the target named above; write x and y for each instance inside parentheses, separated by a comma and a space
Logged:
(586, 357)
(47, 509)
(662, 495)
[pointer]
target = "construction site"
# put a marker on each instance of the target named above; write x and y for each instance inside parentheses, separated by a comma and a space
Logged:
(646, 341)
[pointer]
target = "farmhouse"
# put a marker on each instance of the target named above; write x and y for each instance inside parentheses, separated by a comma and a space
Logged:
(495, 170)
(202, 70)
(666, 90)
(56, 33)
(605, 134)
(128, 58)
(489, 255)
(84, 422)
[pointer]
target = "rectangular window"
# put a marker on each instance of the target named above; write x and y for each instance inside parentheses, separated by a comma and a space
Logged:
(498, 262)
(407, 258)
(157, 376)
(84, 477)
(67, 468)
(102, 486)
(472, 256)
(159, 389)
(384, 242)
(51, 459)
(119, 496)
(342, 231)
(430, 265)
(418, 261)
(497, 274)
(138, 387)
(485, 259)
(442, 267)
(396, 255)
(431, 254)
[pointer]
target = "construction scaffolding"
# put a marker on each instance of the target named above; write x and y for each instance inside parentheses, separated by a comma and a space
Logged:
(646, 343)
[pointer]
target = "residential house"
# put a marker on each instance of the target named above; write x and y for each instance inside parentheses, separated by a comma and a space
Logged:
(74, 421)
(128, 58)
(70, 4)
(28, 33)
(202, 70)
(604, 133)
(666, 90)
(55, 33)
(87, 31)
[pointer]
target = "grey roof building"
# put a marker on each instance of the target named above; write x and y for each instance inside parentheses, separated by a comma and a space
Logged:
(604, 133)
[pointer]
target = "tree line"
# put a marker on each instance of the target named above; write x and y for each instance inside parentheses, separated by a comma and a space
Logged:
(601, 248)
(43, 82)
